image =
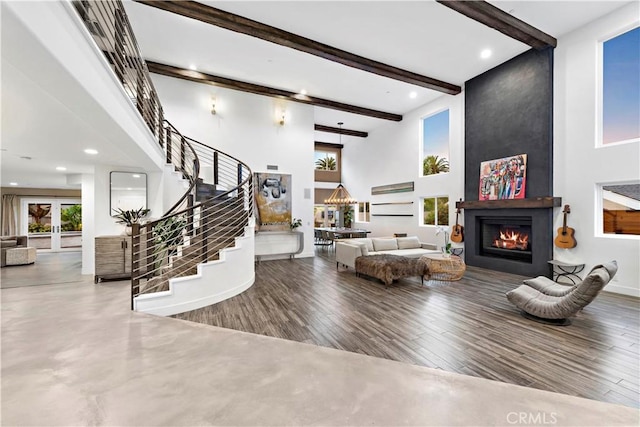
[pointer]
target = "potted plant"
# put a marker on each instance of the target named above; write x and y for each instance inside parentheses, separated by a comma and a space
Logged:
(130, 217)
(347, 215)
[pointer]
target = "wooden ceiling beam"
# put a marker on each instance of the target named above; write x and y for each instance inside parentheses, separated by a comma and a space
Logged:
(240, 24)
(499, 20)
(200, 77)
(342, 131)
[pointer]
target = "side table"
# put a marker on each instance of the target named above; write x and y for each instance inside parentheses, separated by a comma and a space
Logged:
(440, 267)
(569, 270)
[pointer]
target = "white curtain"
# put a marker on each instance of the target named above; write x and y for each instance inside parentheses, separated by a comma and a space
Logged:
(9, 215)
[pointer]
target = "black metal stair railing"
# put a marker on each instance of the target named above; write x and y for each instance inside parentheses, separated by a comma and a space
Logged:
(208, 218)
(218, 204)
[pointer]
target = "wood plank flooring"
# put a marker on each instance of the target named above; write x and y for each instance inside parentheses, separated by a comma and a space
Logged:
(467, 327)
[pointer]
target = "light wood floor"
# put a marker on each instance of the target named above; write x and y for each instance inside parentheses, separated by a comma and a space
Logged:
(467, 327)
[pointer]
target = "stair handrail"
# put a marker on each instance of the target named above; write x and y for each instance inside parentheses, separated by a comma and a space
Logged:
(192, 232)
(163, 249)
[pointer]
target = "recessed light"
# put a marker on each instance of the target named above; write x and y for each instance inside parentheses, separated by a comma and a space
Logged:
(91, 151)
(193, 67)
(413, 95)
(303, 92)
(61, 168)
(13, 183)
(135, 175)
(129, 188)
(485, 53)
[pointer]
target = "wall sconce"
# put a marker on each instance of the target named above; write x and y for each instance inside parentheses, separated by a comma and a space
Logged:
(282, 117)
(213, 106)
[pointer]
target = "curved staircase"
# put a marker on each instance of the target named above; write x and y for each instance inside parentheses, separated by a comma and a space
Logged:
(201, 250)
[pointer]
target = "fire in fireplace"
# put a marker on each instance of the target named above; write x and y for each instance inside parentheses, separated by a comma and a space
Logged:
(511, 239)
(506, 237)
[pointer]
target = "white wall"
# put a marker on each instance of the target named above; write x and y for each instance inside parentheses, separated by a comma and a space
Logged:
(390, 155)
(578, 163)
(245, 127)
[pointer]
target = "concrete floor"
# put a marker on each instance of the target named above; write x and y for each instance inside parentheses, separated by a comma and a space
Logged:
(74, 354)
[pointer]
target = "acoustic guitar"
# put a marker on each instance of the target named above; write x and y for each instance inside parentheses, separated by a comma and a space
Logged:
(565, 238)
(457, 231)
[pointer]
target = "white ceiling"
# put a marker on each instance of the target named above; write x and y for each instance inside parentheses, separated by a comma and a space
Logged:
(420, 36)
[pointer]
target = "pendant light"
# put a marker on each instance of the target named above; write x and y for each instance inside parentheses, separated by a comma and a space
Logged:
(340, 195)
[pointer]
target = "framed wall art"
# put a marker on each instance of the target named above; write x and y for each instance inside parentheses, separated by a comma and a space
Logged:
(504, 178)
(273, 201)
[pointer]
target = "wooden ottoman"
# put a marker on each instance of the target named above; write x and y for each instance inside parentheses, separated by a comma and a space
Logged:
(388, 267)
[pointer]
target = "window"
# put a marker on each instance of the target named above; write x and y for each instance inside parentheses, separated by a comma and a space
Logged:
(364, 212)
(620, 209)
(620, 88)
(326, 161)
(435, 143)
(436, 211)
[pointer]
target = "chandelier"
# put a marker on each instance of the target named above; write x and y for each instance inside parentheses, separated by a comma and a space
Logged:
(340, 195)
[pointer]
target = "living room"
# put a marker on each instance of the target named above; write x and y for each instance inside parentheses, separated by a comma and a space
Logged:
(244, 126)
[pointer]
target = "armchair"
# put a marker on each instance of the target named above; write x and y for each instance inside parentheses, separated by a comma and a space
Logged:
(548, 303)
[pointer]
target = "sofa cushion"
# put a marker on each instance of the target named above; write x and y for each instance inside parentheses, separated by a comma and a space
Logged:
(412, 253)
(367, 241)
(384, 244)
(364, 250)
(8, 243)
(408, 242)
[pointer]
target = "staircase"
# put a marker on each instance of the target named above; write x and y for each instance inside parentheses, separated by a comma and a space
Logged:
(201, 250)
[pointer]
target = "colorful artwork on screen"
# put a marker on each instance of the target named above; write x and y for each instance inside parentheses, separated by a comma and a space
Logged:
(504, 178)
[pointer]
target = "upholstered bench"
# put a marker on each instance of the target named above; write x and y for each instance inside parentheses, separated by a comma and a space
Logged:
(389, 267)
(20, 256)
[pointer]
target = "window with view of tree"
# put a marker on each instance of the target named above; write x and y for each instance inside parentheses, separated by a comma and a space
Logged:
(436, 211)
(620, 88)
(435, 143)
(326, 161)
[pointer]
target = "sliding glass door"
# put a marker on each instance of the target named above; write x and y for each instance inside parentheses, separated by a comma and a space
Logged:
(53, 225)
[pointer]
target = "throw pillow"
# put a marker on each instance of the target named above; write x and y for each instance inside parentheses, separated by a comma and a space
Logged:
(364, 251)
(408, 242)
(364, 240)
(384, 244)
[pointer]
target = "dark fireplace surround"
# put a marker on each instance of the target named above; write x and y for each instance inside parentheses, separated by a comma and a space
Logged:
(539, 251)
(508, 111)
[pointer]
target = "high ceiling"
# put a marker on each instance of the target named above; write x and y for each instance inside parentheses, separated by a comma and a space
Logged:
(420, 36)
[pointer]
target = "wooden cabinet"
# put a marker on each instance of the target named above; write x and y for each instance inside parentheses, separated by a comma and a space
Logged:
(278, 243)
(112, 257)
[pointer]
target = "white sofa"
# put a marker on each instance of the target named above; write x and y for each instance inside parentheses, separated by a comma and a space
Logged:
(349, 249)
